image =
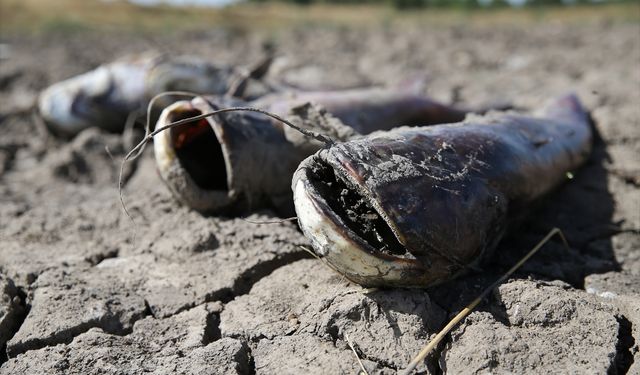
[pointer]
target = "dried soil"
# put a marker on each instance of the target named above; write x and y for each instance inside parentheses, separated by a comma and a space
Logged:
(79, 293)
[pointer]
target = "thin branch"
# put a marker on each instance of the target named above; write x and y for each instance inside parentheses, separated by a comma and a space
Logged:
(467, 310)
(364, 370)
(276, 221)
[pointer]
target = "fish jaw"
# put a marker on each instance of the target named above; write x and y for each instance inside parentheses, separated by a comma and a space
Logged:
(343, 249)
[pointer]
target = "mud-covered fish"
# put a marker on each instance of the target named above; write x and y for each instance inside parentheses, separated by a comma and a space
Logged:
(239, 161)
(105, 96)
(418, 206)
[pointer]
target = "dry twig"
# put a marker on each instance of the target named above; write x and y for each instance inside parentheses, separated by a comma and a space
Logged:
(467, 310)
(364, 370)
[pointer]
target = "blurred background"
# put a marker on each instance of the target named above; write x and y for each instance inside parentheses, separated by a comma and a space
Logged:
(318, 42)
(167, 15)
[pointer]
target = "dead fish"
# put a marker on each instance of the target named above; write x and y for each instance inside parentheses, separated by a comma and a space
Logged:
(105, 96)
(372, 109)
(243, 161)
(415, 207)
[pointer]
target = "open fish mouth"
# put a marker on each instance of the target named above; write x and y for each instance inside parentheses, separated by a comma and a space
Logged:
(195, 143)
(228, 163)
(192, 159)
(347, 227)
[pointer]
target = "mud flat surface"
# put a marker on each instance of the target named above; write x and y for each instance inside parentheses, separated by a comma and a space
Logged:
(79, 293)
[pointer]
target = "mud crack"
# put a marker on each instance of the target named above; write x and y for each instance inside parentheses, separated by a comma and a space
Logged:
(109, 324)
(18, 315)
(624, 357)
(251, 276)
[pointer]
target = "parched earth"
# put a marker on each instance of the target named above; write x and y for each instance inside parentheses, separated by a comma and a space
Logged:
(85, 291)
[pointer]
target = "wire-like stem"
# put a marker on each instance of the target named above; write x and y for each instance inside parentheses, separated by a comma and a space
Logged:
(263, 222)
(139, 148)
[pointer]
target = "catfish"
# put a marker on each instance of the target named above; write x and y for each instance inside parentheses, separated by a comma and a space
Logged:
(415, 207)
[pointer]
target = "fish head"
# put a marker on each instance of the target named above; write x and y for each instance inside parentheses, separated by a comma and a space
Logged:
(102, 98)
(348, 229)
(227, 163)
(73, 105)
(399, 208)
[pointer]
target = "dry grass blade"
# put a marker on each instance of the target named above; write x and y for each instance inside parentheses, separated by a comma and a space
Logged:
(276, 221)
(364, 370)
(310, 252)
(467, 310)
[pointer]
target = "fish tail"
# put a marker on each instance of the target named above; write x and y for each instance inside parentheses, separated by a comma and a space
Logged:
(412, 85)
(567, 107)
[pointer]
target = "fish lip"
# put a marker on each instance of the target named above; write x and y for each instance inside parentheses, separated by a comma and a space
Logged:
(175, 176)
(342, 248)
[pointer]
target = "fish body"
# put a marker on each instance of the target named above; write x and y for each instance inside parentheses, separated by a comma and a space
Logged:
(370, 109)
(417, 206)
(105, 96)
(252, 158)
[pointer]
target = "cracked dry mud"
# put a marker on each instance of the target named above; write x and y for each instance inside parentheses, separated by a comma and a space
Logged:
(79, 293)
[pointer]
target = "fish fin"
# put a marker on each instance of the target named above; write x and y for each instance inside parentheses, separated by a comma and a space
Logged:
(260, 69)
(257, 71)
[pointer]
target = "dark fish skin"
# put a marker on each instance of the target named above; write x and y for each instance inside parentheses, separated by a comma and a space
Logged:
(261, 154)
(105, 96)
(371, 109)
(448, 193)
